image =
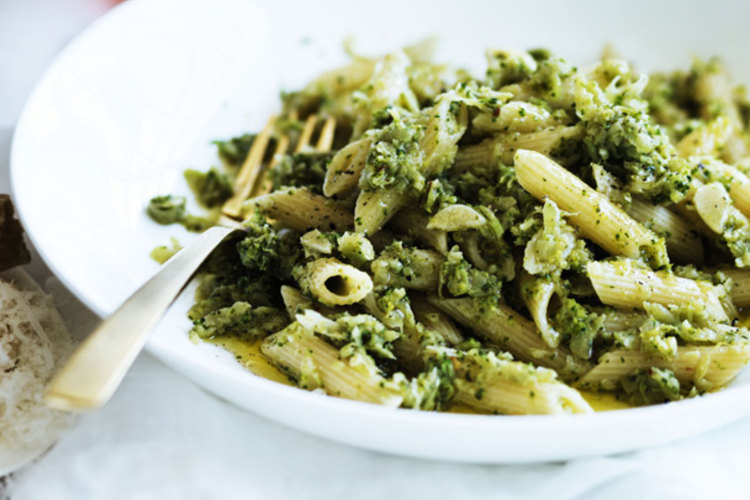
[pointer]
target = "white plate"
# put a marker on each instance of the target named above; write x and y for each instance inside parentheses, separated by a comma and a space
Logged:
(136, 99)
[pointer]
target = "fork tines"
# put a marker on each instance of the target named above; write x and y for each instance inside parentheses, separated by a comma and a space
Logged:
(252, 179)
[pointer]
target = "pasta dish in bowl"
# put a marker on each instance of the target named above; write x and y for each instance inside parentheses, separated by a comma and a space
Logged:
(434, 239)
(508, 292)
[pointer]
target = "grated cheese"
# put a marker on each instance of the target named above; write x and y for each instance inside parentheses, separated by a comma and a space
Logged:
(33, 341)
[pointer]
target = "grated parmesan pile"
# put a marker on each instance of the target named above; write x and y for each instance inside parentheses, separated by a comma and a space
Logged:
(33, 341)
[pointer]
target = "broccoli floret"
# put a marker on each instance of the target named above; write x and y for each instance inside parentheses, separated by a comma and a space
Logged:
(240, 320)
(437, 194)
(301, 170)
(461, 278)
(234, 151)
(432, 389)
(652, 386)
(223, 290)
(211, 188)
(621, 135)
(395, 307)
(555, 247)
(360, 331)
(166, 209)
(169, 209)
(259, 249)
(507, 67)
(579, 325)
(395, 158)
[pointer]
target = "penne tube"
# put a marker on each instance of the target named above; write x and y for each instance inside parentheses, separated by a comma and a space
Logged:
(436, 320)
(537, 295)
(481, 156)
(740, 286)
(301, 209)
(543, 142)
(515, 116)
(503, 147)
(456, 218)
(502, 326)
(343, 79)
(513, 398)
(295, 302)
(316, 364)
(375, 208)
(714, 205)
(444, 128)
(409, 351)
(705, 140)
(493, 383)
(619, 321)
(623, 284)
(738, 184)
(591, 213)
(713, 90)
(413, 222)
(708, 367)
(333, 283)
(411, 268)
(346, 166)
(684, 244)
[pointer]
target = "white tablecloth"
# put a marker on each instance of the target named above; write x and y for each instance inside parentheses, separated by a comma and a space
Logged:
(161, 437)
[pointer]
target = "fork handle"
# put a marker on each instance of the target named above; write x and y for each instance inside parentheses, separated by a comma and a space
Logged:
(96, 368)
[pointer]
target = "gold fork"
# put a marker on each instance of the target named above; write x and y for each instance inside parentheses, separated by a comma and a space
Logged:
(96, 368)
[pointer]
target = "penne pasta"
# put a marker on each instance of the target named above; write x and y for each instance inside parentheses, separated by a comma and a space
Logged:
(301, 209)
(708, 367)
(497, 385)
(737, 183)
(503, 147)
(333, 283)
(414, 223)
(683, 241)
(411, 268)
(591, 213)
(315, 364)
(740, 286)
(375, 208)
(436, 320)
(507, 329)
(346, 166)
(435, 238)
(623, 284)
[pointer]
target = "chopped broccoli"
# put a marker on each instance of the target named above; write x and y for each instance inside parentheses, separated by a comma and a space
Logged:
(240, 320)
(555, 247)
(234, 151)
(211, 188)
(301, 170)
(264, 249)
(461, 278)
(395, 158)
(361, 330)
(580, 326)
(625, 139)
(651, 386)
(166, 209)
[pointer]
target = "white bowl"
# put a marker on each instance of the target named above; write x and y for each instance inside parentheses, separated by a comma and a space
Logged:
(137, 98)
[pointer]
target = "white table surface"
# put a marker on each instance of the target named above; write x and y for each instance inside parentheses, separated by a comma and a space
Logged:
(161, 437)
